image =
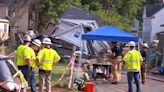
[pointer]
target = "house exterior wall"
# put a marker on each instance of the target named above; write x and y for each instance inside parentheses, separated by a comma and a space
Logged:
(156, 22)
(146, 29)
(3, 11)
(22, 22)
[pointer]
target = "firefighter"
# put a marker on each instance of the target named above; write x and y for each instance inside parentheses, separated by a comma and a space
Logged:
(116, 68)
(144, 63)
(47, 57)
(133, 60)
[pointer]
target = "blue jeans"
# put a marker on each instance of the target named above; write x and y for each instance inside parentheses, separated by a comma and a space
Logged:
(29, 75)
(130, 76)
(25, 71)
(32, 80)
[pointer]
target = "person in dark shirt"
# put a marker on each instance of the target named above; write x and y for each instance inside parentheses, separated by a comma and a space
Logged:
(116, 68)
(115, 49)
(143, 65)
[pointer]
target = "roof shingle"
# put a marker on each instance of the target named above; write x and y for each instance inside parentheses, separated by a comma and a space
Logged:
(152, 9)
(77, 13)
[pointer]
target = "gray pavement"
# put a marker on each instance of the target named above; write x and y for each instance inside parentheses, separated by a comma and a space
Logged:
(150, 86)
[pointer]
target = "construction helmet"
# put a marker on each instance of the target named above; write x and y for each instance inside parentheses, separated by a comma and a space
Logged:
(131, 43)
(78, 52)
(47, 41)
(37, 42)
(27, 38)
(145, 45)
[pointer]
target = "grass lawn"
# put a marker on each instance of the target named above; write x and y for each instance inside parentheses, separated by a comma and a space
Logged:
(57, 71)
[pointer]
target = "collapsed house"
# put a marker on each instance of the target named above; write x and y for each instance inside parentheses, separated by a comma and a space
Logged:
(73, 23)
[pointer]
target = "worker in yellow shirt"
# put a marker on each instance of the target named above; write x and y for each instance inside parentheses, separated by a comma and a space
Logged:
(47, 57)
(133, 60)
(23, 56)
(36, 44)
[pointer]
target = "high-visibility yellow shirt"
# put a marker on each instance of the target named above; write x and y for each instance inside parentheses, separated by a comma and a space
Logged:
(47, 57)
(22, 53)
(133, 60)
(33, 59)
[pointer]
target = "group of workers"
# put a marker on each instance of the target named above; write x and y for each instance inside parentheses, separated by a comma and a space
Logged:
(36, 54)
(134, 61)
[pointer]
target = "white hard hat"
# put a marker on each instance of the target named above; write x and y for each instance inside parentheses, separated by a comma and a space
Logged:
(37, 42)
(126, 45)
(78, 52)
(27, 38)
(131, 43)
(145, 45)
(47, 41)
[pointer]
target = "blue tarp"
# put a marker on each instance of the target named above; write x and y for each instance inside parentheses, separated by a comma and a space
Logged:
(109, 33)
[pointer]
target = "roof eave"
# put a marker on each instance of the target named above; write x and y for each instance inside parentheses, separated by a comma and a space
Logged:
(149, 17)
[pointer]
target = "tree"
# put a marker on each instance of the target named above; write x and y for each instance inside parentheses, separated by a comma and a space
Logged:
(50, 10)
(17, 8)
(120, 13)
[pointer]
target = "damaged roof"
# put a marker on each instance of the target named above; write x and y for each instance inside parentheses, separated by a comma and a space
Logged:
(151, 9)
(77, 13)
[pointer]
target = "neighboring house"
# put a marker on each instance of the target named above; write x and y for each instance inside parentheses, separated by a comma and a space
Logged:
(153, 18)
(160, 37)
(4, 23)
(21, 23)
(20, 15)
(3, 10)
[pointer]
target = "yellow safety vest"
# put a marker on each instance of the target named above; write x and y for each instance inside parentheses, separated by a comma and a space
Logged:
(22, 53)
(133, 60)
(32, 59)
(47, 57)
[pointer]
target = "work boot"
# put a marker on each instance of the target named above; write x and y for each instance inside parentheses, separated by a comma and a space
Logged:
(143, 82)
(114, 82)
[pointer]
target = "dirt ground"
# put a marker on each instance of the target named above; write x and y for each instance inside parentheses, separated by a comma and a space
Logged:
(57, 90)
(60, 90)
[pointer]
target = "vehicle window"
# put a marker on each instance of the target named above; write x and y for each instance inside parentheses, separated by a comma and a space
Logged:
(12, 67)
(4, 71)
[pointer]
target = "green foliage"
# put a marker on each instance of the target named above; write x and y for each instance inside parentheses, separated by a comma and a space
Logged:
(50, 10)
(120, 13)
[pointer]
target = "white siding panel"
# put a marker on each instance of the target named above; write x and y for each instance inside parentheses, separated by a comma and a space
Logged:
(156, 22)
